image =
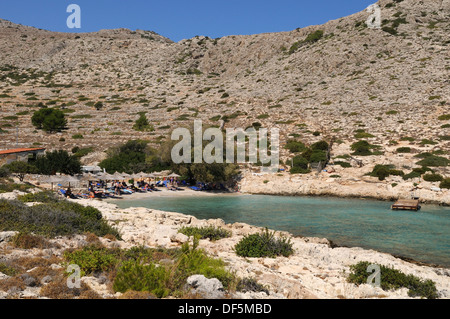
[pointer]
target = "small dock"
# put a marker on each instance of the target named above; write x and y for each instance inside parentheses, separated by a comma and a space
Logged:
(406, 204)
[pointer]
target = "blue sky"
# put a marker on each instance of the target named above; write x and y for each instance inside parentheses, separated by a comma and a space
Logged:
(181, 19)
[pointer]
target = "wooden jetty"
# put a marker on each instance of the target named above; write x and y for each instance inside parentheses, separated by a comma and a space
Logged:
(406, 204)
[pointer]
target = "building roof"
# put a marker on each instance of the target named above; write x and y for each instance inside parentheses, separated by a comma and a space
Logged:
(21, 150)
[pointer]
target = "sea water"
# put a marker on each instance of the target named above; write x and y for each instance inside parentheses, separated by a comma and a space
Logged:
(423, 236)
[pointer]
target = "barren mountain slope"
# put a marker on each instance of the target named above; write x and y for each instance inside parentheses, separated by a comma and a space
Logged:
(392, 83)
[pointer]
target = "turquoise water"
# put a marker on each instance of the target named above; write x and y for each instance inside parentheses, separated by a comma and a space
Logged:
(423, 236)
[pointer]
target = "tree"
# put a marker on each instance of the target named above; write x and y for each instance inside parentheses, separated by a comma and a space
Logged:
(58, 161)
(20, 169)
(49, 120)
(142, 124)
(130, 157)
(98, 105)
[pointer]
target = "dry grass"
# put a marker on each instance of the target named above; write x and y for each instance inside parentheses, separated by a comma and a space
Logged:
(58, 289)
(29, 241)
(137, 295)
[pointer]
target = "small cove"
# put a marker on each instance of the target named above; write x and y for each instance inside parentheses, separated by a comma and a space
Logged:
(423, 236)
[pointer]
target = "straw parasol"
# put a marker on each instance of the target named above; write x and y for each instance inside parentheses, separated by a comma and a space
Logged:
(89, 177)
(118, 176)
(69, 179)
(51, 179)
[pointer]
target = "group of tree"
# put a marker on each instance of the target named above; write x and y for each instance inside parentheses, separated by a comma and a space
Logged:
(316, 153)
(58, 161)
(137, 156)
(49, 119)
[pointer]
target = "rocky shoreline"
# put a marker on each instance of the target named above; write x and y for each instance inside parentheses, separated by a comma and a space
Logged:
(317, 269)
(323, 185)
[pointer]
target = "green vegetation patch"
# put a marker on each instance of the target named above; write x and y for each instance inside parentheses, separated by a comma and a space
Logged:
(211, 232)
(264, 244)
(53, 219)
(393, 279)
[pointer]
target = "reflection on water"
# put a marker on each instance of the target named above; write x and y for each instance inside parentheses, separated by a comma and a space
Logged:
(422, 236)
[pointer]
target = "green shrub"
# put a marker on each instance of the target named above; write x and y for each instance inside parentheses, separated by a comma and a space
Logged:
(92, 259)
(20, 169)
(77, 136)
(404, 150)
(444, 117)
(8, 270)
(4, 172)
(61, 218)
(195, 261)
(143, 125)
(394, 279)
(250, 285)
(138, 277)
(49, 120)
(343, 164)
(58, 161)
(445, 183)
(264, 245)
(314, 37)
(318, 156)
(396, 172)
(362, 148)
(380, 171)
(6, 187)
(360, 135)
(41, 197)
(427, 142)
(433, 178)
(295, 146)
(434, 161)
(320, 146)
(210, 232)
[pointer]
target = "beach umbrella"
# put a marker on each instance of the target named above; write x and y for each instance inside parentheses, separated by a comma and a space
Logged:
(174, 175)
(126, 176)
(118, 176)
(89, 177)
(69, 179)
(52, 179)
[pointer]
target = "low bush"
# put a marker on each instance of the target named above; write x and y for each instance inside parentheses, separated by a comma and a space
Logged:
(343, 164)
(41, 197)
(133, 276)
(383, 171)
(264, 245)
(158, 271)
(92, 259)
(7, 186)
(250, 285)
(404, 150)
(434, 161)
(210, 232)
(53, 219)
(29, 241)
(433, 178)
(362, 148)
(394, 279)
(445, 183)
(295, 146)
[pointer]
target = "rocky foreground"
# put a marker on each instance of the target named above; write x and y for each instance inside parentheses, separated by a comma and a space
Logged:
(315, 270)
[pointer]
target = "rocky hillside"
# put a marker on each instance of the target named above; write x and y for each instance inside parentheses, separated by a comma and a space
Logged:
(321, 81)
